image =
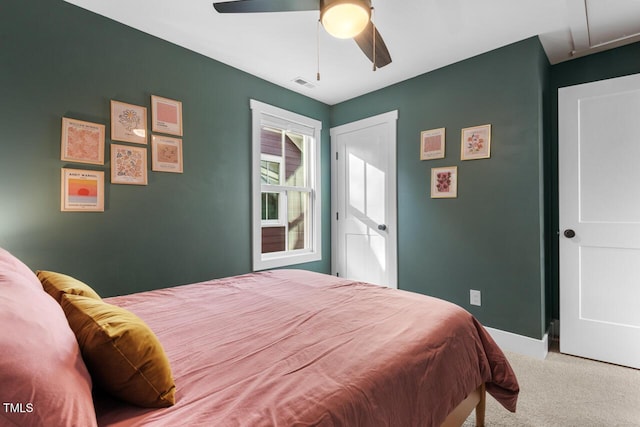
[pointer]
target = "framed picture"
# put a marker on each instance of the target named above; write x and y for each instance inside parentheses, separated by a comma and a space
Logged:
(444, 182)
(476, 143)
(128, 165)
(166, 115)
(166, 154)
(128, 122)
(82, 142)
(432, 144)
(81, 190)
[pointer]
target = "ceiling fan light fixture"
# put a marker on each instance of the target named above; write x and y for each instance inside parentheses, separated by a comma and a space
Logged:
(345, 19)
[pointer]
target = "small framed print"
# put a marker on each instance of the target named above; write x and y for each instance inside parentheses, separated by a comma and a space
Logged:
(81, 190)
(444, 182)
(432, 144)
(82, 142)
(166, 154)
(166, 115)
(128, 122)
(128, 165)
(476, 143)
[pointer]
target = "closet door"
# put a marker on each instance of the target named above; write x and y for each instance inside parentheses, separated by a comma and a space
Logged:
(599, 189)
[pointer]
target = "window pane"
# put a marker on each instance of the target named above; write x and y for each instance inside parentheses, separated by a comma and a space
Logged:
(269, 172)
(271, 141)
(295, 171)
(272, 239)
(297, 218)
(270, 206)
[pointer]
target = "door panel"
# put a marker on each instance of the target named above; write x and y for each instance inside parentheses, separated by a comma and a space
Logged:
(366, 255)
(599, 189)
(603, 299)
(609, 147)
(364, 200)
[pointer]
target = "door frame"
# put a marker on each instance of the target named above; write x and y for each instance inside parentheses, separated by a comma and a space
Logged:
(390, 119)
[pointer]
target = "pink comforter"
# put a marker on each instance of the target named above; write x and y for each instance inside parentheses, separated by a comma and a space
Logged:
(295, 348)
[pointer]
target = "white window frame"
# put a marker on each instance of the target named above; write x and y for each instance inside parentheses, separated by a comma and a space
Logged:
(268, 115)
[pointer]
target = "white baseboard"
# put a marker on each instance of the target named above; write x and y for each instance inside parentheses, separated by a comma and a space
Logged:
(520, 344)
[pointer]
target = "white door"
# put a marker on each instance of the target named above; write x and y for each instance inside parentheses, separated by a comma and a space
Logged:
(364, 231)
(599, 190)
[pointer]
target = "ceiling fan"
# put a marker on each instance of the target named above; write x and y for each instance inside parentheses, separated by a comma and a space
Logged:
(341, 18)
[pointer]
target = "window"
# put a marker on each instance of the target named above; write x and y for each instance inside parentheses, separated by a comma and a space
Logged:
(286, 187)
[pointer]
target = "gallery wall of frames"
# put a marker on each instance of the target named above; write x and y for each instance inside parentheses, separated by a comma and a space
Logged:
(83, 142)
(475, 143)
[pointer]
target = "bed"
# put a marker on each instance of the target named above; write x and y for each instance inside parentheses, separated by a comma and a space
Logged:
(283, 348)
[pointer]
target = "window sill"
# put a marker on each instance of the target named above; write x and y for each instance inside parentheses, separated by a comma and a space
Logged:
(274, 260)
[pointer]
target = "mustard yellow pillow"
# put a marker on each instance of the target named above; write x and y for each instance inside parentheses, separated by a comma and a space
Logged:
(123, 355)
(58, 284)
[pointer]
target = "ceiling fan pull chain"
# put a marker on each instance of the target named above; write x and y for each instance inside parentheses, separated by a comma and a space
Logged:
(318, 50)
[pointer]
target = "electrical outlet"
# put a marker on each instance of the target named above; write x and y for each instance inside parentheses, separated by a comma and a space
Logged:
(474, 297)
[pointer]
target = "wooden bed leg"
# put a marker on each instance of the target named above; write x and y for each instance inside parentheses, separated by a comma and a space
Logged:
(459, 414)
(480, 408)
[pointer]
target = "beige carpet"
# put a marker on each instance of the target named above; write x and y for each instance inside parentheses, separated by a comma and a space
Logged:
(566, 391)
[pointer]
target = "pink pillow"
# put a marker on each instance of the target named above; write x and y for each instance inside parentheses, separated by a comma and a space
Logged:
(9, 263)
(44, 379)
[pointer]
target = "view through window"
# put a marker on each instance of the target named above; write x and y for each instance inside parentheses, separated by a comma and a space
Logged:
(286, 150)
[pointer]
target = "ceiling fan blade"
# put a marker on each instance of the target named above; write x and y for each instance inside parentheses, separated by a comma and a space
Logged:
(253, 6)
(365, 41)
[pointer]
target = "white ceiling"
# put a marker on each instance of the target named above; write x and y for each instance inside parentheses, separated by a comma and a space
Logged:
(422, 35)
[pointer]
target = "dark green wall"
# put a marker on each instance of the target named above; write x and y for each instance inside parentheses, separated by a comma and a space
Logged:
(58, 60)
(490, 237)
(605, 65)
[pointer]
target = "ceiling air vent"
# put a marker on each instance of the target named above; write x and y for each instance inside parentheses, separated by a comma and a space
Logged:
(303, 82)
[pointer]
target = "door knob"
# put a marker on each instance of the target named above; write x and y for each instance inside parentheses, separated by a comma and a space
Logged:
(382, 227)
(569, 234)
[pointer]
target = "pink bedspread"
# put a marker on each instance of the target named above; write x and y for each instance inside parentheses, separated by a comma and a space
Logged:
(295, 348)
